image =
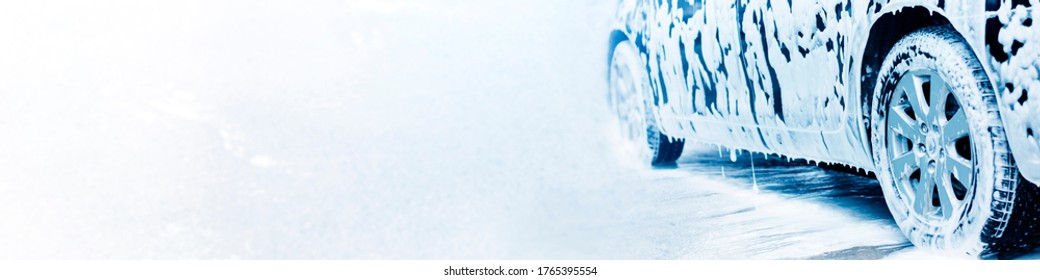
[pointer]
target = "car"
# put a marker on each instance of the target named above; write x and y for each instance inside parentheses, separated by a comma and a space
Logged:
(933, 97)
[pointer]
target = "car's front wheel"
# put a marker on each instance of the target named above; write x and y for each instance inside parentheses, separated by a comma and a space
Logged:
(943, 161)
(630, 99)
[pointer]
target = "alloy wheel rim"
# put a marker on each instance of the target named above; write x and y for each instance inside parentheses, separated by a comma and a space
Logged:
(931, 153)
(629, 106)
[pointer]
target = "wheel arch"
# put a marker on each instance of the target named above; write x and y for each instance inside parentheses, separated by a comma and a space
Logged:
(616, 36)
(885, 31)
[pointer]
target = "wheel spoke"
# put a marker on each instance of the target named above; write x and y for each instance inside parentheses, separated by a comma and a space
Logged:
(960, 168)
(923, 193)
(911, 84)
(955, 128)
(637, 125)
(619, 105)
(904, 126)
(937, 93)
(947, 200)
(904, 165)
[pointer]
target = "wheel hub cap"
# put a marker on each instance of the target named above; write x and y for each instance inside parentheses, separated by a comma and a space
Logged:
(933, 146)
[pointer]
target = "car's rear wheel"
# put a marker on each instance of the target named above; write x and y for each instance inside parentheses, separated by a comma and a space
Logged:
(630, 99)
(942, 157)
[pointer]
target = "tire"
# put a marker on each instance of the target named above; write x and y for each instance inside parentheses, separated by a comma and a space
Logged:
(941, 154)
(630, 100)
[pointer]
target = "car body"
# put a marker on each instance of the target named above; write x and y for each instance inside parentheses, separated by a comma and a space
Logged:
(798, 78)
(736, 90)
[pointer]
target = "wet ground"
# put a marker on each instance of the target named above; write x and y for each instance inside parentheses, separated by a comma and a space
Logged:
(855, 192)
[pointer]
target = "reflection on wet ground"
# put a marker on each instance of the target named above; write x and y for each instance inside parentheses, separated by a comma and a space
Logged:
(794, 178)
(863, 252)
(855, 192)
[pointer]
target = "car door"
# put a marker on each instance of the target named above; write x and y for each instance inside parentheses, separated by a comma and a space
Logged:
(748, 73)
(691, 57)
(793, 54)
